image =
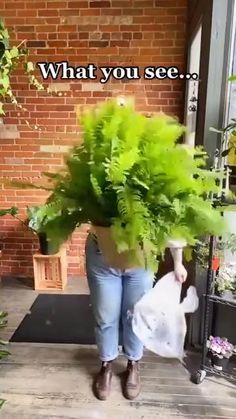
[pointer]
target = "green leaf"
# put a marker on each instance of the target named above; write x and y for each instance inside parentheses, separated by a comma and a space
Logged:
(1, 109)
(2, 402)
(212, 129)
(188, 254)
(226, 152)
(4, 354)
(5, 82)
(10, 211)
(14, 52)
(29, 66)
(232, 78)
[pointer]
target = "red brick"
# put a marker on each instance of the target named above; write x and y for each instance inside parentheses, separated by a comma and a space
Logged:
(69, 12)
(35, 44)
(56, 4)
(12, 5)
(110, 12)
(133, 12)
(120, 44)
(57, 44)
(78, 4)
(98, 44)
(143, 3)
(11, 13)
(109, 28)
(46, 28)
(25, 28)
(27, 13)
(144, 19)
(126, 28)
(47, 13)
(100, 4)
(122, 3)
(66, 28)
(92, 12)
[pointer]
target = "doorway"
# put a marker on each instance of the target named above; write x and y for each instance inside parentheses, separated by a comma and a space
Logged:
(209, 29)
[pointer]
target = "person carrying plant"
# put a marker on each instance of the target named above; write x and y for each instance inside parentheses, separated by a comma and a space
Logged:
(132, 179)
(114, 293)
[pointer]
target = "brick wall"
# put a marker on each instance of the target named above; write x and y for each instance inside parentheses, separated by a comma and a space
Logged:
(124, 33)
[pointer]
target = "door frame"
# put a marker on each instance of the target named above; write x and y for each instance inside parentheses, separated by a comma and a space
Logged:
(216, 17)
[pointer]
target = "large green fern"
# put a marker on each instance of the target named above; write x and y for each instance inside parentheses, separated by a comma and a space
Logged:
(132, 174)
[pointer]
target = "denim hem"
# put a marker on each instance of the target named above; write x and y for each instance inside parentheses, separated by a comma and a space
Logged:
(107, 359)
(133, 358)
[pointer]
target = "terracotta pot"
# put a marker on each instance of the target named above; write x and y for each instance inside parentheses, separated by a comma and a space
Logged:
(107, 245)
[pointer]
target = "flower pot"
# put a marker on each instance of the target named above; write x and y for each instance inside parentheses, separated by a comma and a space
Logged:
(46, 247)
(219, 362)
(124, 260)
(215, 264)
(227, 295)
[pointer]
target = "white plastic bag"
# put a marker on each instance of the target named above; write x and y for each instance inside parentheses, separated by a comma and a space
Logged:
(159, 317)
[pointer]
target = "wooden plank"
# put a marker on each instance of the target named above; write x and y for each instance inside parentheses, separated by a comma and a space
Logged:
(72, 405)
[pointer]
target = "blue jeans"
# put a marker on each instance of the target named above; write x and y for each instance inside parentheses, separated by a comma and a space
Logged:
(114, 293)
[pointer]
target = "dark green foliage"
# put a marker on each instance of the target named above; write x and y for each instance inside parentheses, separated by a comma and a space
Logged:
(3, 323)
(10, 211)
(130, 173)
(3, 353)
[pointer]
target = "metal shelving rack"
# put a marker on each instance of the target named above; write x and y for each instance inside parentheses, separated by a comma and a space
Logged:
(209, 299)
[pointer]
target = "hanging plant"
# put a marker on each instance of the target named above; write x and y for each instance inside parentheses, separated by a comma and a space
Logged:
(13, 58)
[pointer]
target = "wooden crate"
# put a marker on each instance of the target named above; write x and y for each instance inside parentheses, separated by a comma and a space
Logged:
(50, 271)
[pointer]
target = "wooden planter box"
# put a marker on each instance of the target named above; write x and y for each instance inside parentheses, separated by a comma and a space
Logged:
(50, 271)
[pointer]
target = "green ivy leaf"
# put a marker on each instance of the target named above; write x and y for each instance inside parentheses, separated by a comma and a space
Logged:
(188, 254)
(226, 152)
(4, 34)
(14, 52)
(1, 109)
(5, 82)
(2, 402)
(29, 66)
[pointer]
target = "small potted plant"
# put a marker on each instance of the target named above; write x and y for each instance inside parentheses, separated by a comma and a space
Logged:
(38, 221)
(221, 351)
(225, 282)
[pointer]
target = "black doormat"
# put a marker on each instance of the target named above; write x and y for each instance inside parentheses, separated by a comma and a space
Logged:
(58, 318)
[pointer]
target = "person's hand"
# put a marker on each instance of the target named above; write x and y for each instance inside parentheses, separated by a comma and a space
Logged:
(180, 272)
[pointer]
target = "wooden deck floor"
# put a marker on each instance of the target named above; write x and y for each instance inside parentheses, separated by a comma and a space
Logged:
(54, 381)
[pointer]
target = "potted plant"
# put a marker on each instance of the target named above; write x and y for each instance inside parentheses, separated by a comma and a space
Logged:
(221, 351)
(12, 58)
(225, 281)
(38, 221)
(132, 180)
(201, 251)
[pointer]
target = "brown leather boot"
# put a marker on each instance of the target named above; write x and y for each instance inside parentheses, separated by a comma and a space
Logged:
(132, 384)
(102, 385)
